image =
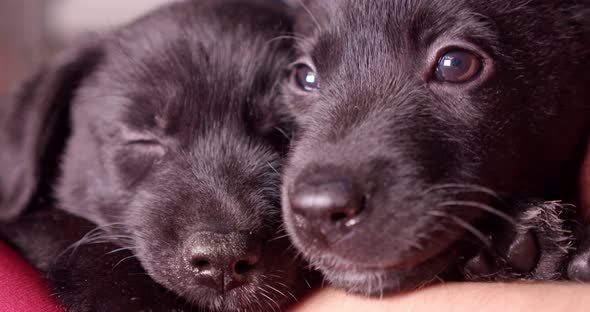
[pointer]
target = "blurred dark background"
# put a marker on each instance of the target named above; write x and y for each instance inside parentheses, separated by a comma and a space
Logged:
(32, 30)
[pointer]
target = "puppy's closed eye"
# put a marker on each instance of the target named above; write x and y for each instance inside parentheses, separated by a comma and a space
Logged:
(147, 142)
(137, 154)
(144, 142)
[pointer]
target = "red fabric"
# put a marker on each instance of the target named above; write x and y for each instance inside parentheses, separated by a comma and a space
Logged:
(21, 287)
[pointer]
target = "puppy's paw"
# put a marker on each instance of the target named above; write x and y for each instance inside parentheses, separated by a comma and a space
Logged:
(578, 268)
(536, 246)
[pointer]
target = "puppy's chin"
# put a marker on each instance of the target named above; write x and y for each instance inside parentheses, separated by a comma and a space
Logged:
(243, 299)
(357, 278)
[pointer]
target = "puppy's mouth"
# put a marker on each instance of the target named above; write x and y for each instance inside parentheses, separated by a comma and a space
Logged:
(387, 267)
(351, 261)
(268, 291)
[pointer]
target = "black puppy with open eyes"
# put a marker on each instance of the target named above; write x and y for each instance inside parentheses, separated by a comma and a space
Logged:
(423, 124)
(173, 141)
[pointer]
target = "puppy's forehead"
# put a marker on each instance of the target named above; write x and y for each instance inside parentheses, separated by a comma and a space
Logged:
(393, 29)
(196, 61)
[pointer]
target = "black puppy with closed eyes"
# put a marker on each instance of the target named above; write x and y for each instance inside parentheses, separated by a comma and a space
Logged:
(425, 123)
(167, 134)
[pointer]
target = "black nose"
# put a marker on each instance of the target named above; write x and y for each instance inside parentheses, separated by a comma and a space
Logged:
(327, 201)
(222, 261)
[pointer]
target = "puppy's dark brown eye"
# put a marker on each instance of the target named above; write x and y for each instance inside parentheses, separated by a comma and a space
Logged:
(305, 78)
(458, 66)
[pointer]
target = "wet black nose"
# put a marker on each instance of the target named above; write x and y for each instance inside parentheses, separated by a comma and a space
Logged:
(327, 201)
(222, 261)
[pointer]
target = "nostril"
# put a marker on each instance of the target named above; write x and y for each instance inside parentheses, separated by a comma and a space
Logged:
(339, 217)
(349, 215)
(243, 267)
(201, 264)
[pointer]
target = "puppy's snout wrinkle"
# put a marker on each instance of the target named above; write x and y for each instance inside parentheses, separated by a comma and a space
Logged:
(222, 261)
(328, 202)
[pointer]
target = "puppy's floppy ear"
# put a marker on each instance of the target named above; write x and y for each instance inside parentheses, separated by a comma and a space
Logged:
(29, 119)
